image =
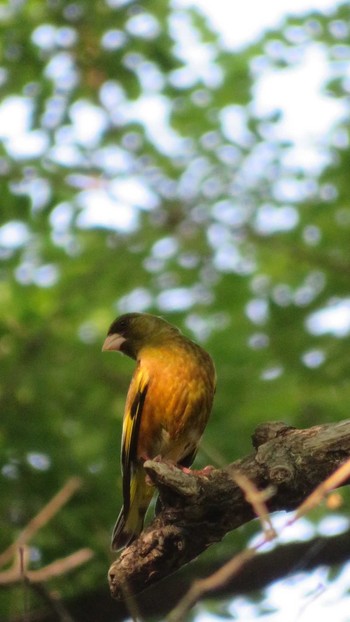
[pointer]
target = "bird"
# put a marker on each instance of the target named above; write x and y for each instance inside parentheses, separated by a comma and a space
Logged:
(166, 410)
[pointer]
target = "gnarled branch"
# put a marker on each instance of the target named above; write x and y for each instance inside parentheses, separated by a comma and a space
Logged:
(198, 510)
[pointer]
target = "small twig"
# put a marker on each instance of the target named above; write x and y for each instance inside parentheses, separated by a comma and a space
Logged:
(23, 557)
(42, 518)
(55, 569)
(203, 586)
(335, 480)
(60, 566)
(34, 579)
(257, 499)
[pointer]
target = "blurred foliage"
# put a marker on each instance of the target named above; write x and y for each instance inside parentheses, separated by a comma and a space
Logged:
(137, 173)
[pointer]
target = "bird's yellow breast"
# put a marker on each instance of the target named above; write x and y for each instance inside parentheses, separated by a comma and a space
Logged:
(181, 381)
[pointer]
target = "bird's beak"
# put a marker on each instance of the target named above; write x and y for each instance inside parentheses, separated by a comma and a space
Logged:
(113, 342)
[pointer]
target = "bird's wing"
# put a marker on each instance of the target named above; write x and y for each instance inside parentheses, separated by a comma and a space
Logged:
(131, 425)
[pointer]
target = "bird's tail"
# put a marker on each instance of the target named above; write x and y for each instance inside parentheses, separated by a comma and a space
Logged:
(130, 524)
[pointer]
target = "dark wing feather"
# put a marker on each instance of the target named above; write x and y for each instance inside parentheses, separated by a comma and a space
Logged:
(131, 426)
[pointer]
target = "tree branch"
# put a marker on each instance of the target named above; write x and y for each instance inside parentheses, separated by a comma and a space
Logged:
(199, 510)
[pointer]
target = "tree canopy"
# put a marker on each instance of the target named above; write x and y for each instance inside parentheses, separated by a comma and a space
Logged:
(139, 171)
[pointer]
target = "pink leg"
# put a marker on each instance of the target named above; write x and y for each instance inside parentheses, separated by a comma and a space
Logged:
(201, 472)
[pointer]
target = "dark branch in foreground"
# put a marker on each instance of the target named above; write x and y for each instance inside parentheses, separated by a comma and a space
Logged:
(199, 510)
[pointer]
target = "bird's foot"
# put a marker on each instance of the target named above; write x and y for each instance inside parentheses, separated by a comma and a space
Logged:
(200, 472)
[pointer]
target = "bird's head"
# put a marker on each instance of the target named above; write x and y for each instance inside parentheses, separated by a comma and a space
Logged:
(131, 332)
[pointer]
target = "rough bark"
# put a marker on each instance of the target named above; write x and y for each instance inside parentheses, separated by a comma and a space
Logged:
(198, 510)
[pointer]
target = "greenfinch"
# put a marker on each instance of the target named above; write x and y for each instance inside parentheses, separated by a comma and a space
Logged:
(167, 407)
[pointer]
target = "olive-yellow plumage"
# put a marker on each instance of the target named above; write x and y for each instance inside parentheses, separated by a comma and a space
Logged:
(167, 407)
